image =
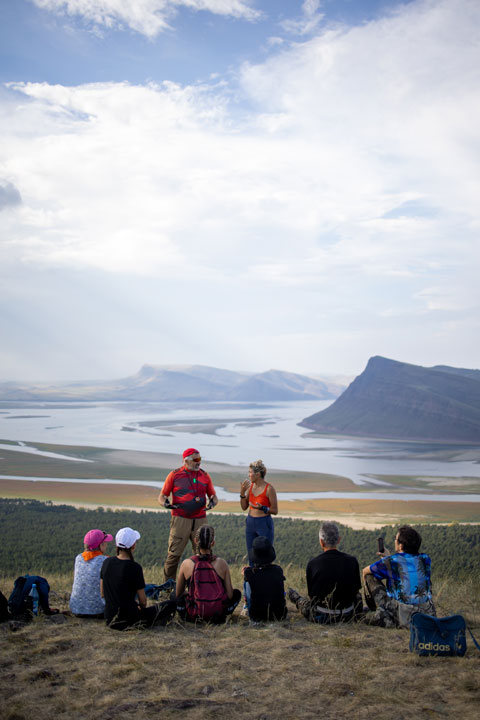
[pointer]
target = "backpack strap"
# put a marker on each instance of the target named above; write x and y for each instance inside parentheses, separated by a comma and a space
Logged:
(473, 638)
(207, 558)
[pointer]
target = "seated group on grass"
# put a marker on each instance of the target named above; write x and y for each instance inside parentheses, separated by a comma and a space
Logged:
(333, 582)
(114, 587)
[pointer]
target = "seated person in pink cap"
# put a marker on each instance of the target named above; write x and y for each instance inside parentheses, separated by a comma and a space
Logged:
(189, 487)
(85, 600)
(123, 587)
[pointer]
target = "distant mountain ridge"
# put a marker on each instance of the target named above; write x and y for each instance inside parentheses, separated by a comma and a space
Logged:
(392, 399)
(170, 383)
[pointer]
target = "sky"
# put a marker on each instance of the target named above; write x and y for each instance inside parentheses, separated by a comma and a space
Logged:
(245, 184)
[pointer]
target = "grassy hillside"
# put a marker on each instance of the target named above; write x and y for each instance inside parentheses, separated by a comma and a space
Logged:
(80, 669)
(65, 667)
(52, 535)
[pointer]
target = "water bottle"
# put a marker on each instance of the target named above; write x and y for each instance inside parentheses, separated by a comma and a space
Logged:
(34, 595)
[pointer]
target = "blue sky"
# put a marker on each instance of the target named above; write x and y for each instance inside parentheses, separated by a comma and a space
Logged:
(244, 184)
(70, 48)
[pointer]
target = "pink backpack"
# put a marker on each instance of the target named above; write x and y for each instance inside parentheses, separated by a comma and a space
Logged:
(207, 597)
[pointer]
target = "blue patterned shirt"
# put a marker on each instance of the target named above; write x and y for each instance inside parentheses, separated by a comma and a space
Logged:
(85, 598)
(407, 576)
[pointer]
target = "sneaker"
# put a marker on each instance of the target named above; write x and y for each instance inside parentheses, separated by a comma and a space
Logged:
(293, 595)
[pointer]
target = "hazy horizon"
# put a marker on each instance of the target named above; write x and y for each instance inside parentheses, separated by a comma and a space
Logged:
(332, 377)
(338, 378)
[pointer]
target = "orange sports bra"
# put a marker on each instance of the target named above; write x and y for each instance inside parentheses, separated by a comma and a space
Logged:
(255, 500)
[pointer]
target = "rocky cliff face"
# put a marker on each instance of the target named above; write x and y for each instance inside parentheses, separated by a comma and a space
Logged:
(392, 399)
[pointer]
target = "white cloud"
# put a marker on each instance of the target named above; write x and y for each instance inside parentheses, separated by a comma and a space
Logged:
(286, 213)
(309, 20)
(148, 17)
(449, 298)
(318, 162)
(348, 126)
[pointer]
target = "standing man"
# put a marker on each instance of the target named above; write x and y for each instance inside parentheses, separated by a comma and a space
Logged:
(333, 582)
(408, 587)
(189, 487)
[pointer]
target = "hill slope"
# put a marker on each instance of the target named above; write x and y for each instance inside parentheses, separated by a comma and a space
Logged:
(69, 668)
(392, 399)
(279, 385)
(170, 383)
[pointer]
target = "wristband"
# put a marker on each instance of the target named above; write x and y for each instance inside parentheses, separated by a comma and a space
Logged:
(243, 496)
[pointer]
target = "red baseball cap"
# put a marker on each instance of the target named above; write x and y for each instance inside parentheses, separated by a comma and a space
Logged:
(190, 451)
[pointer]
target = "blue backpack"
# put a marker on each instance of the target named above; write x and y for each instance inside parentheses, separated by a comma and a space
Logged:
(19, 601)
(153, 591)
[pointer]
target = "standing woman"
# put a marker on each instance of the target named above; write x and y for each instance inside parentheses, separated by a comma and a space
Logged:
(261, 500)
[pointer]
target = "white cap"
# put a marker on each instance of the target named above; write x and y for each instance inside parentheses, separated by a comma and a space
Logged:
(126, 537)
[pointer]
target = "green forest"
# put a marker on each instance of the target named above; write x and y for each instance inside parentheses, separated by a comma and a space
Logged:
(41, 538)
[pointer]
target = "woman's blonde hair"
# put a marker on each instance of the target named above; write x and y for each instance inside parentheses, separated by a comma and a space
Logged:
(258, 467)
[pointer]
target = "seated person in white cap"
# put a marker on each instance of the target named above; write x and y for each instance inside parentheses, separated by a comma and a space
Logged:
(123, 587)
(264, 589)
(85, 600)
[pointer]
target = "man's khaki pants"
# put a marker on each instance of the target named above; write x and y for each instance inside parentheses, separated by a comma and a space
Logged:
(181, 531)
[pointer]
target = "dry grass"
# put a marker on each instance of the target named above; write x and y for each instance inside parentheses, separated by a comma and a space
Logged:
(80, 669)
(125, 495)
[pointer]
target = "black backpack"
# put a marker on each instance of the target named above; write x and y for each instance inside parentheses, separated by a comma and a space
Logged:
(20, 602)
(4, 614)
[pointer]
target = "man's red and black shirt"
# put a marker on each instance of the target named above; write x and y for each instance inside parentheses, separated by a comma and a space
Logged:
(189, 489)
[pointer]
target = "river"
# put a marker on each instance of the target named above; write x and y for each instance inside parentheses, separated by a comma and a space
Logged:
(233, 433)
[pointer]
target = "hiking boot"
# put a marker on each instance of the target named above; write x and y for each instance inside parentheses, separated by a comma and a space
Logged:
(293, 595)
(378, 617)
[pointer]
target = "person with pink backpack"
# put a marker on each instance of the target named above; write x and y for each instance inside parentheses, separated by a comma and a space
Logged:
(204, 587)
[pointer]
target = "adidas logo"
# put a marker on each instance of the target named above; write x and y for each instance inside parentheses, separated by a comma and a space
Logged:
(434, 646)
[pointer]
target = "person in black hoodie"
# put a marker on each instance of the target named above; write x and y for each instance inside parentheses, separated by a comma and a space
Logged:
(333, 582)
(264, 589)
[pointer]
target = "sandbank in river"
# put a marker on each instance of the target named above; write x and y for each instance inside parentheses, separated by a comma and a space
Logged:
(139, 475)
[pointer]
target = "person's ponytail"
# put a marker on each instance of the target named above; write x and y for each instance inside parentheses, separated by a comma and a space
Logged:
(126, 550)
(204, 539)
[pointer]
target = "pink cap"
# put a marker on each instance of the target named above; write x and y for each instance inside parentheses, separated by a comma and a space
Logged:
(190, 451)
(94, 538)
